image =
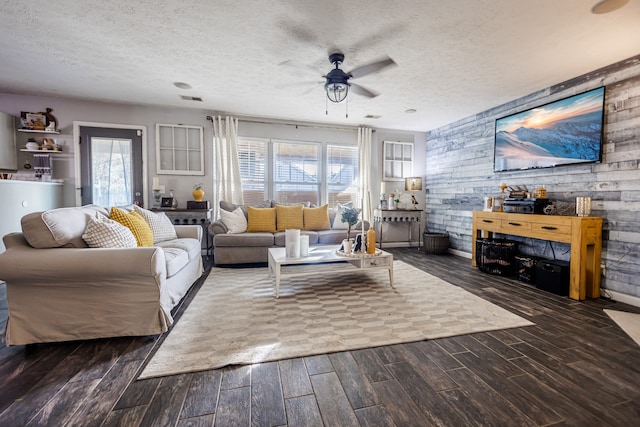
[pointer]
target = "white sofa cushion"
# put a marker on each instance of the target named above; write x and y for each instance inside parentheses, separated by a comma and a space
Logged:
(103, 232)
(161, 226)
(235, 221)
(61, 227)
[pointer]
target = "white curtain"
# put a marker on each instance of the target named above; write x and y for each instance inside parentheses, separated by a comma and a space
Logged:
(364, 169)
(227, 185)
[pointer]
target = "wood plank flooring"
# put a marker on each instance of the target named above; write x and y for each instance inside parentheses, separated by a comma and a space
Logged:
(574, 367)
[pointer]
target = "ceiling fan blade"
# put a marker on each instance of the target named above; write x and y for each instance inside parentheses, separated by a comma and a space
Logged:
(360, 90)
(374, 67)
(300, 67)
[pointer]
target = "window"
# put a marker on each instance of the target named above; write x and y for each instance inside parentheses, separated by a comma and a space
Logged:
(296, 172)
(179, 150)
(291, 172)
(253, 160)
(342, 174)
(398, 160)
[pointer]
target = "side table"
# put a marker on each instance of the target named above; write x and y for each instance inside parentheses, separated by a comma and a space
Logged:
(398, 215)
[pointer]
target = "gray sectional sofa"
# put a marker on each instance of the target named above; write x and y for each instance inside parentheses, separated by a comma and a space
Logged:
(253, 247)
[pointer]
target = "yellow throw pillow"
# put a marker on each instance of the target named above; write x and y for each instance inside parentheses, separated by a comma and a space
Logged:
(289, 217)
(134, 222)
(316, 218)
(261, 219)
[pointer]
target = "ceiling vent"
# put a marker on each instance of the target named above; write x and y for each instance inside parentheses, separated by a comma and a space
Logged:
(372, 116)
(191, 98)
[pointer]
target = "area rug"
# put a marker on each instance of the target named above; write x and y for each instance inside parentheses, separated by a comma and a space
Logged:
(628, 322)
(235, 319)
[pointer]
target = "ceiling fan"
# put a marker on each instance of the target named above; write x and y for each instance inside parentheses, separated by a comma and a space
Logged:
(337, 82)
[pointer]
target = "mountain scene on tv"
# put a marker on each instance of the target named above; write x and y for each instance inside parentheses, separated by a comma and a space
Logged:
(563, 132)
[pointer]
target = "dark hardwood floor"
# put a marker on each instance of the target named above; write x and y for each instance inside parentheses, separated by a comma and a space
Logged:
(574, 367)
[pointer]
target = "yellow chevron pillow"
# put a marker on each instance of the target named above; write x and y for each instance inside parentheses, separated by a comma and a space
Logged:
(289, 217)
(134, 222)
(316, 218)
(261, 219)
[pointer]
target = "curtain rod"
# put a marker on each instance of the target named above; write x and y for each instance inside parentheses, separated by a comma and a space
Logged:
(265, 122)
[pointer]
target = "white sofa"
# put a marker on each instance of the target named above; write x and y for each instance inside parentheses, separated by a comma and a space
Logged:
(59, 289)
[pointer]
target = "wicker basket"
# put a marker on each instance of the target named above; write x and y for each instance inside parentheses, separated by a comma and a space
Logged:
(436, 243)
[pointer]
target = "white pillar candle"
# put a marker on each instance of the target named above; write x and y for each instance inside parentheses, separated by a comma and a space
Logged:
(383, 187)
(292, 243)
(156, 182)
(304, 245)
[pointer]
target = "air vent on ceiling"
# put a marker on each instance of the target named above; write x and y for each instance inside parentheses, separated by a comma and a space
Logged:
(372, 116)
(191, 98)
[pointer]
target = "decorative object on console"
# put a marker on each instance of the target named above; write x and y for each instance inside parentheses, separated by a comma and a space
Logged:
(583, 206)
(413, 184)
(198, 192)
(167, 202)
(192, 204)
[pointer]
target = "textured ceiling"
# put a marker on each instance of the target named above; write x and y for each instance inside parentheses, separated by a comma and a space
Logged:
(454, 58)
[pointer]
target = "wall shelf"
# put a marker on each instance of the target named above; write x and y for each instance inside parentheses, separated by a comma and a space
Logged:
(39, 131)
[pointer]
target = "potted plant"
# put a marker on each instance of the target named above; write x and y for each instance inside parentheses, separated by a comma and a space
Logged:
(198, 193)
(350, 216)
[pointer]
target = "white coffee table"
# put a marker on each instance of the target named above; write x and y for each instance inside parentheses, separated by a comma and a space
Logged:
(319, 256)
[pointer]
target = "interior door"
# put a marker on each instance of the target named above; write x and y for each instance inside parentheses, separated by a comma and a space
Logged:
(111, 167)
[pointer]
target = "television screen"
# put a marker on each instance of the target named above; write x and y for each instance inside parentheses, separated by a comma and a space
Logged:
(563, 132)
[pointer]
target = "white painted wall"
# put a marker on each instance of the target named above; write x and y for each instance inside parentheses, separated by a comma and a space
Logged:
(67, 110)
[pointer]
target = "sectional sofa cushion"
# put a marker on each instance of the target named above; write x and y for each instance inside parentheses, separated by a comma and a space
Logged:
(235, 221)
(261, 220)
(289, 217)
(316, 218)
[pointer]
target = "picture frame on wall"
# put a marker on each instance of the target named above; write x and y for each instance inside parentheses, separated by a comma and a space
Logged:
(33, 121)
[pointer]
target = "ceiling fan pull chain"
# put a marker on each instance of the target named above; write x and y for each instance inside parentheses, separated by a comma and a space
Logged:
(326, 106)
(347, 108)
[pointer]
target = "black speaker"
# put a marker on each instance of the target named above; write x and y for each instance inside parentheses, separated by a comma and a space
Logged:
(553, 276)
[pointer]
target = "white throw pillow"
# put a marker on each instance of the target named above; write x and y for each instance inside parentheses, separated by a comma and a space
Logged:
(102, 232)
(337, 221)
(234, 221)
(160, 225)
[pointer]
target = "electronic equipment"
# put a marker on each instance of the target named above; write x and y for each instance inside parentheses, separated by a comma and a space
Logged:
(553, 276)
(192, 204)
(525, 205)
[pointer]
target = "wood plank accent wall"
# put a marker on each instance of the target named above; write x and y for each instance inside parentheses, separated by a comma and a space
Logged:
(459, 173)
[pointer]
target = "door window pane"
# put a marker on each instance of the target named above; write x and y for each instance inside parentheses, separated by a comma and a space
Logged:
(111, 180)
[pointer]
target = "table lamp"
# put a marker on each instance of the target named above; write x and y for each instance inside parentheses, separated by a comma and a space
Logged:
(413, 184)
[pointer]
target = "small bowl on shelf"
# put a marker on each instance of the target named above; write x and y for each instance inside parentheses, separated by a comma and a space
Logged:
(32, 146)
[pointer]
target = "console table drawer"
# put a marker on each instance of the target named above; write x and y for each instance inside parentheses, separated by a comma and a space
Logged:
(558, 229)
(508, 225)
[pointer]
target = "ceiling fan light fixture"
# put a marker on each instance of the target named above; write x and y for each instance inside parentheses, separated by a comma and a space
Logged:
(337, 92)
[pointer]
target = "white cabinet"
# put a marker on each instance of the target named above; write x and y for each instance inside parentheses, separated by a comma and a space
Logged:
(8, 157)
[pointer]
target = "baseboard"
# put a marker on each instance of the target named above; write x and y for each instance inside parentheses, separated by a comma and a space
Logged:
(620, 297)
(462, 254)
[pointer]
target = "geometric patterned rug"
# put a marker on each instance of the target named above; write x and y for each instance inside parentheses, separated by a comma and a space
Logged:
(234, 319)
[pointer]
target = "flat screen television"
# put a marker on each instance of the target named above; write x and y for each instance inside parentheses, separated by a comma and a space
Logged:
(563, 132)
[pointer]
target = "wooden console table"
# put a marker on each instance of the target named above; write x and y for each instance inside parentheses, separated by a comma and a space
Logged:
(583, 233)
